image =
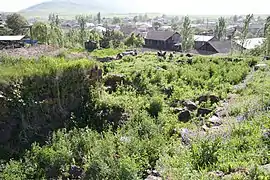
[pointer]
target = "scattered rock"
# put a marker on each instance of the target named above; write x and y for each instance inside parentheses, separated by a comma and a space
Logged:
(265, 169)
(241, 118)
(151, 177)
(216, 174)
(190, 105)
(203, 111)
(184, 116)
(125, 139)
(215, 121)
(205, 127)
(205, 98)
(266, 135)
(185, 136)
(260, 66)
(178, 110)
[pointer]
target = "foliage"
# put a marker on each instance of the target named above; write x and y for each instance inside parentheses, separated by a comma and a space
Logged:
(115, 37)
(245, 30)
(220, 28)
(98, 133)
(134, 41)
(17, 24)
(186, 34)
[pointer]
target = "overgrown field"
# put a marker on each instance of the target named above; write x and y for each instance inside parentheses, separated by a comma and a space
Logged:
(141, 114)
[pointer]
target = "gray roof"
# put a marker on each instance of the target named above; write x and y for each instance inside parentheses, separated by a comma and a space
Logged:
(203, 38)
(11, 38)
(221, 46)
(159, 35)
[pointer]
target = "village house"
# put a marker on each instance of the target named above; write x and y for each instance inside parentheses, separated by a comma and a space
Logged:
(218, 47)
(200, 40)
(162, 40)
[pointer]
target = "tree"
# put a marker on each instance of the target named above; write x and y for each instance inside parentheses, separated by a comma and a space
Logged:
(116, 20)
(156, 25)
(135, 19)
(220, 28)
(54, 19)
(99, 18)
(267, 35)
(175, 27)
(81, 19)
(41, 32)
(186, 34)
(115, 37)
(245, 30)
(134, 41)
(235, 18)
(16, 23)
(266, 25)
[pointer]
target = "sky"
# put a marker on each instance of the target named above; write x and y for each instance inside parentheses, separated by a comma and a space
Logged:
(181, 7)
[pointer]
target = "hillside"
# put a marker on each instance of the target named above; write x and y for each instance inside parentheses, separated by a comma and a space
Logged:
(71, 8)
(140, 117)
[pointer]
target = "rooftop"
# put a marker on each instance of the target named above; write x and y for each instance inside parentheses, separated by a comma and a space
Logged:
(11, 38)
(159, 35)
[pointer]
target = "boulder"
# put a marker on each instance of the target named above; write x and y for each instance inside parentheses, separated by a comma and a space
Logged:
(260, 66)
(205, 98)
(178, 110)
(184, 116)
(190, 105)
(265, 169)
(151, 177)
(203, 111)
(266, 135)
(217, 174)
(215, 121)
(185, 136)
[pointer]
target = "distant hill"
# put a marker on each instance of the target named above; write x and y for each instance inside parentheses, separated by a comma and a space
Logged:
(74, 7)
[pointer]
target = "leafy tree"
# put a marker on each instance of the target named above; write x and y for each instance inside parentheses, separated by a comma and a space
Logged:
(99, 18)
(114, 36)
(134, 41)
(235, 18)
(56, 36)
(266, 25)
(175, 27)
(156, 25)
(41, 32)
(186, 34)
(267, 35)
(81, 19)
(135, 19)
(244, 31)
(220, 28)
(54, 19)
(16, 23)
(5, 31)
(116, 20)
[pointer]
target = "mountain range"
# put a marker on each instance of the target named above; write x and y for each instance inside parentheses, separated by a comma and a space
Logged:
(75, 7)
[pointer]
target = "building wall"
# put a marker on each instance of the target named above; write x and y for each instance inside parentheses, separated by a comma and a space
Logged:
(207, 49)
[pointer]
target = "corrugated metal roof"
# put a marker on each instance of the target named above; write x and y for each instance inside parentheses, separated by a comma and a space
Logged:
(251, 43)
(11, 38)
(202, 38)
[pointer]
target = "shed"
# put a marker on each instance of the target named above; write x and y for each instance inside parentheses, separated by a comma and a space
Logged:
(11, 41)
(214, 47)
(162, 40)
(200, 40)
